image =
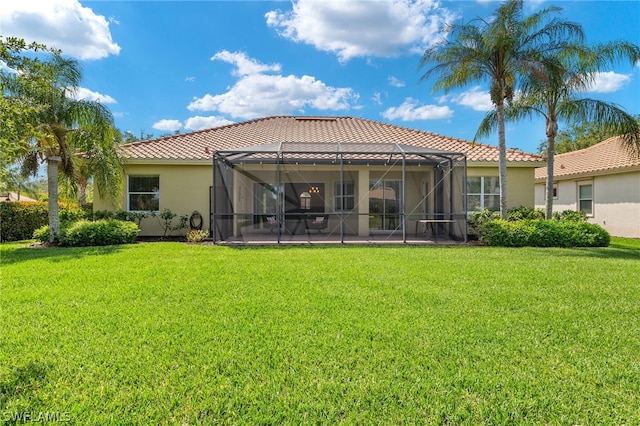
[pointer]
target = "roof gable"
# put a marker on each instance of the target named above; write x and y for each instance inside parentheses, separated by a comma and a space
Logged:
(608, 156)
(200, 145)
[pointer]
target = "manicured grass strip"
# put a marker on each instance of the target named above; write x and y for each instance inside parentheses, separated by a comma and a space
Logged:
(171, 333)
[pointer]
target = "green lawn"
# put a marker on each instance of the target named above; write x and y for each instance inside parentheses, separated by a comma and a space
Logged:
(170, 333)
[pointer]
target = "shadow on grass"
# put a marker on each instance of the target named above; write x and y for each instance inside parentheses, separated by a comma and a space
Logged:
(19, 385)
(14, 253)
(614, 251)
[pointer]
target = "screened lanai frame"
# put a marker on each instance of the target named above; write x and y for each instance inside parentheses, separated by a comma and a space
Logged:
(338, 192)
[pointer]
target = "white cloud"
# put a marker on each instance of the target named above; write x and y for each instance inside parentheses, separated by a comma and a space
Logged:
(396, 82)
(199, 123)
(63, 24)
(362, 28)
(377, 98)
(90, 95)
(167, 125)
(608, 82)
(256, 94)
(244, 65)
(475, 98)
(411, 111)
(190, 79)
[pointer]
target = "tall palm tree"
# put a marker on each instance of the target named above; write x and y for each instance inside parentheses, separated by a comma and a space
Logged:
(498, 50)
(68, 128)
(552, 90)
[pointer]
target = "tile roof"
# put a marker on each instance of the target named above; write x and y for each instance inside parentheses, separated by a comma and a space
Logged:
(200, 145)
(608, 156)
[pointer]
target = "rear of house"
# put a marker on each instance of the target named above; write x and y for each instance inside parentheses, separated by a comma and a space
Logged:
(323, 177)
(603, 181)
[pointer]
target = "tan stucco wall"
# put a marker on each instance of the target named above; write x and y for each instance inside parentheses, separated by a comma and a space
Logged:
(183, 189)
(520, 183)
(616, 201)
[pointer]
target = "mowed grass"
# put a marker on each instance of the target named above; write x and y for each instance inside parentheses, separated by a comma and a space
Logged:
(170, 333)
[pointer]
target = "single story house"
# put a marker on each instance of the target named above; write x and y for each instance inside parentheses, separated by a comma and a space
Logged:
(289, 178)
(603, 181)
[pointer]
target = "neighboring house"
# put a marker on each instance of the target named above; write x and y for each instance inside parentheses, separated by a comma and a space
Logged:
(14, 196)
(603, 181)
(332, 178)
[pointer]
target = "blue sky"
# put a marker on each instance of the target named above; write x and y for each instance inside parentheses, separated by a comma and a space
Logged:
(166, 66)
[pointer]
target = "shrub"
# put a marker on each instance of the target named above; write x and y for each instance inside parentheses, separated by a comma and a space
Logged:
(544, 233)
(570, 216)
(166, 221)
(99, 233)
(197, 235)
(18, 220)
(522, 212)
(42, 234)
(85, 233)
(478, 219)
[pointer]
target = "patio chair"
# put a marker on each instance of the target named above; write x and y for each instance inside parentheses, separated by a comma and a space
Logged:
(271, 223)
(319, 223)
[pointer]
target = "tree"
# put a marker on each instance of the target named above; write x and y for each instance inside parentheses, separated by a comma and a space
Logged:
(499, 50)
(551, 88)
(62, 128)
(12, 180)
(579, 136)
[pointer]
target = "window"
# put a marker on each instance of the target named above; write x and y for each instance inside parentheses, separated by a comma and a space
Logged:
(483, 192)
(144, 193)
(345, 196)
(385, 205)
(585, 198)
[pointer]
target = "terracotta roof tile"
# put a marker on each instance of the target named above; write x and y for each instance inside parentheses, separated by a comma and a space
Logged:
(200, 145)
(603, 158)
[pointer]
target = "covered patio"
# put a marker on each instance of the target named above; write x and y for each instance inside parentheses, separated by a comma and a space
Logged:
(296, 192)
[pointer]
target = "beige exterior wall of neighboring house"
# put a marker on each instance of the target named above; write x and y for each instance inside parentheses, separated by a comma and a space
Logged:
(616, 201)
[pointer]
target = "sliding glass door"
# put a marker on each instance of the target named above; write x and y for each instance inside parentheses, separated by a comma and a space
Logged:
(385, 205)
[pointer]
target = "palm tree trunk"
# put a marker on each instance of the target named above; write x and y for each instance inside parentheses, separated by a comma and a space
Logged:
(502, 160)
(52, 188)
(549, 182)
(552, 132)
(82, 192)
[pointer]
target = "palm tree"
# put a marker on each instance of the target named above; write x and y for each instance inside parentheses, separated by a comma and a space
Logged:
(551, 91)
(68, 128)
(500, 49)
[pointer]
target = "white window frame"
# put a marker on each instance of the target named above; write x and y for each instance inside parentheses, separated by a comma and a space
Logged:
(339, 198)
(482, 193)
(579, 199)
(154, 193)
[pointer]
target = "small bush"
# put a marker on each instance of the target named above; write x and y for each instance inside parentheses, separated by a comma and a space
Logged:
(99, 233)
(522, 212)
(42, 234)
(197, 235)
(478, 219)
(570, 216)
(83, 233)
(544, 233)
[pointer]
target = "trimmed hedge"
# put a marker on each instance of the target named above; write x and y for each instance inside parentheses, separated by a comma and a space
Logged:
(86, 233)
(18, 220)
(544, 233)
